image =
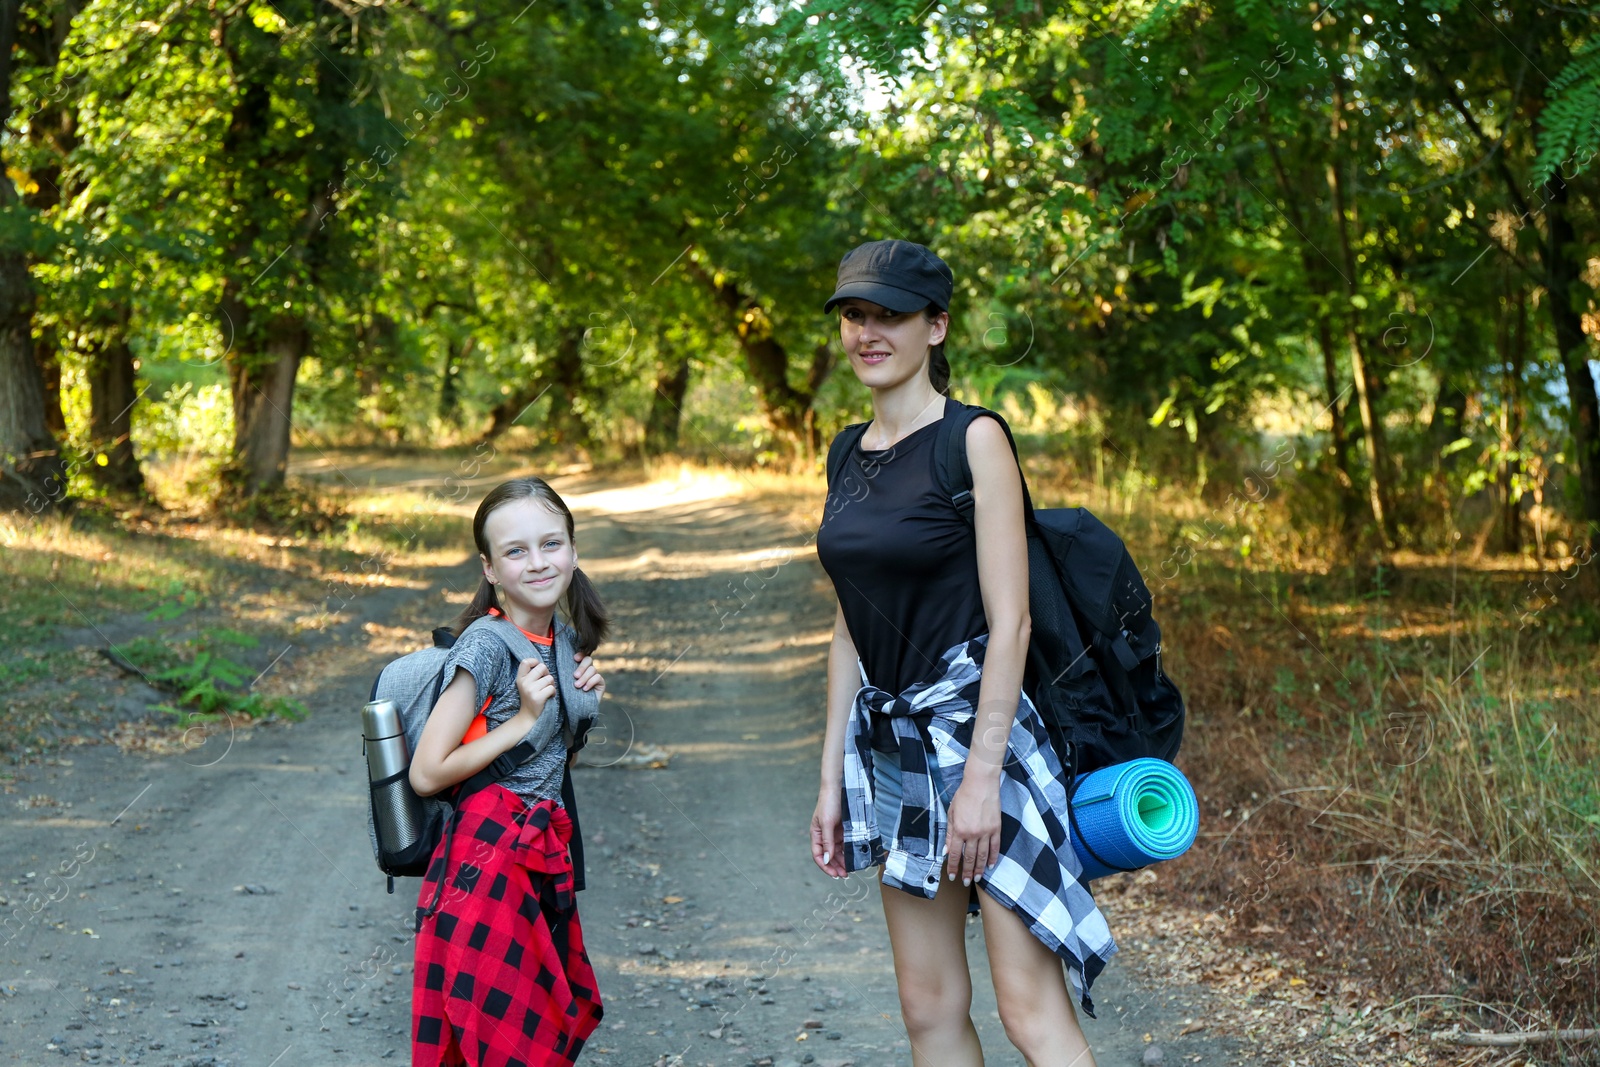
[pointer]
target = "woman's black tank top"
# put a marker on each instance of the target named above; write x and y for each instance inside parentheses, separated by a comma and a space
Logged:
(903, 561)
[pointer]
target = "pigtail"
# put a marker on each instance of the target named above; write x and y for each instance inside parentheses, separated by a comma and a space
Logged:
(589, 616)
(482, 601)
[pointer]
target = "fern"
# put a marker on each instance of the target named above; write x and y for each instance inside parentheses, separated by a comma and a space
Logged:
(1569, 134)
(206, 684)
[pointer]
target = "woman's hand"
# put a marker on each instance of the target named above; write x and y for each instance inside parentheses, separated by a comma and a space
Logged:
(974, 827)
(535, 686)
(587, 675)
(827, 834)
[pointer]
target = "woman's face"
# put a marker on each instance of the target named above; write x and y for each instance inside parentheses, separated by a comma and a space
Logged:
(887, 348)
(531, 558)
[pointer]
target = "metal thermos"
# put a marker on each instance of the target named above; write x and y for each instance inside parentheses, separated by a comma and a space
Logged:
(395, 807)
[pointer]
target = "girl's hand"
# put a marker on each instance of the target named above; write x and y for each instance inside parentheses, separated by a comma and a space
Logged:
(535, 686)
(587, 675)
(974, 828)
(827, 834)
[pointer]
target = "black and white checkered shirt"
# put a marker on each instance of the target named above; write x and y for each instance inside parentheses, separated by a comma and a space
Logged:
(1037, 872)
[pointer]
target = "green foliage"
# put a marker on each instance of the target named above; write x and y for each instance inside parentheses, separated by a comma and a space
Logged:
(184, 600)
(1569, 134)
(206, 683)
(460, 218)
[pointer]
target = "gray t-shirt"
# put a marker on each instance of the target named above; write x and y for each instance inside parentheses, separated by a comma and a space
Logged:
(485, 657)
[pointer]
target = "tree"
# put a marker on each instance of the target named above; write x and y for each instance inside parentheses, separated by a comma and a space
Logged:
(300, 115)
(33, 471)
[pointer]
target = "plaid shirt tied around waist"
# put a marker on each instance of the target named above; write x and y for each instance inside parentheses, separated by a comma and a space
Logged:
(1036, 874)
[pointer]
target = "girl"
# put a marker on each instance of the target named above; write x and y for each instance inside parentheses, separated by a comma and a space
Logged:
(501, 972)
(933, 626)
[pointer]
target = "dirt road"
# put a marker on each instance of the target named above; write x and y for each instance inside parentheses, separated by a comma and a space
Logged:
(220, 905)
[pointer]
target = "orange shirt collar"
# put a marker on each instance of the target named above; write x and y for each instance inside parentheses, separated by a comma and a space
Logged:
(548, 639)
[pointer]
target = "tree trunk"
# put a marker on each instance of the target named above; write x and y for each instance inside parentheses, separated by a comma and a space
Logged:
(111, 400)
(1373, 437)
(666, 405)
(1561, 275)
(564, 425)
(1321, 287)
(787, 409)
(1511, 418)
(1449, 415)
(562, 379)
(1339, 439)
(47, 354)
(449, 393)
(270, 344)
(263, 396)
(33, 475)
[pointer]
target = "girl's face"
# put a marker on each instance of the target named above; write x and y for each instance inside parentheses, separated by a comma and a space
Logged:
(887, 348)
(531, 558)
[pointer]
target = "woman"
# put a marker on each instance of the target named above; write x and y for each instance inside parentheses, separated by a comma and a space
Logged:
(934, 760)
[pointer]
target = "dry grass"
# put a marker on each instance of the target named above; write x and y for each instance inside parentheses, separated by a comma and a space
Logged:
(1418, 738)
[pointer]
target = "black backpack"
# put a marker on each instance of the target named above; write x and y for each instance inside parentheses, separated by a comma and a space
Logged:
(1094, 655)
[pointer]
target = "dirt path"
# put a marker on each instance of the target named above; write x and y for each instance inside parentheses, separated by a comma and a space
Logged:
(221, 906)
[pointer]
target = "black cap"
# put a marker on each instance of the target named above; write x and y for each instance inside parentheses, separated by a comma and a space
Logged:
(898, 275)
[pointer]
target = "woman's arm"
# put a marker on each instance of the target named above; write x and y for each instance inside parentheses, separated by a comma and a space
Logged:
(844, 678)
(441, 760)
(1003, 576)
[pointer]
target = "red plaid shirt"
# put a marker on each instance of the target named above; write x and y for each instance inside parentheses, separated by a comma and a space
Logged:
(502, 978)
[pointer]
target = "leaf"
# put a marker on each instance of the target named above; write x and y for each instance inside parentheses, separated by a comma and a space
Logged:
(1569, 124)
(1161, 412)
(227, 672)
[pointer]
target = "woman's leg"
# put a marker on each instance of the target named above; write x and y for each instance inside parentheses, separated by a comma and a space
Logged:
(1030, 985)
(930, 966)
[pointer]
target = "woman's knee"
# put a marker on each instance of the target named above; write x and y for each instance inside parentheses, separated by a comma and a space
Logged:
(931, 1001)
(1027, 1025)
(1039, 1029)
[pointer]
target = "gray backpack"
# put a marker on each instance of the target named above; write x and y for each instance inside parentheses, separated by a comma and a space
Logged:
(413, 683)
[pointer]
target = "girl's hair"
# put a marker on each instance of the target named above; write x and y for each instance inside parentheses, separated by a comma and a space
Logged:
(589, 617)
(938, 366)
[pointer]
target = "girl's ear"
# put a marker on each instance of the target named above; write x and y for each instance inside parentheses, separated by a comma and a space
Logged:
(488, 576)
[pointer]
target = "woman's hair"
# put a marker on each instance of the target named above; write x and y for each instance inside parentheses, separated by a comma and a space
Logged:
(938, 366)
(589, 617)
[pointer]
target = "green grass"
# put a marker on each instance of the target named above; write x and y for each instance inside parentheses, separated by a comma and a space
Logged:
(22, 668)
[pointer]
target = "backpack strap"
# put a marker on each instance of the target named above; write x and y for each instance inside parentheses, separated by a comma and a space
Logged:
(844, 442)
(520, 648)
(956, 477)
(950, 465)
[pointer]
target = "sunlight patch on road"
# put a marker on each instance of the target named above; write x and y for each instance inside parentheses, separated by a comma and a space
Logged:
(653, 562)
(688, 487)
